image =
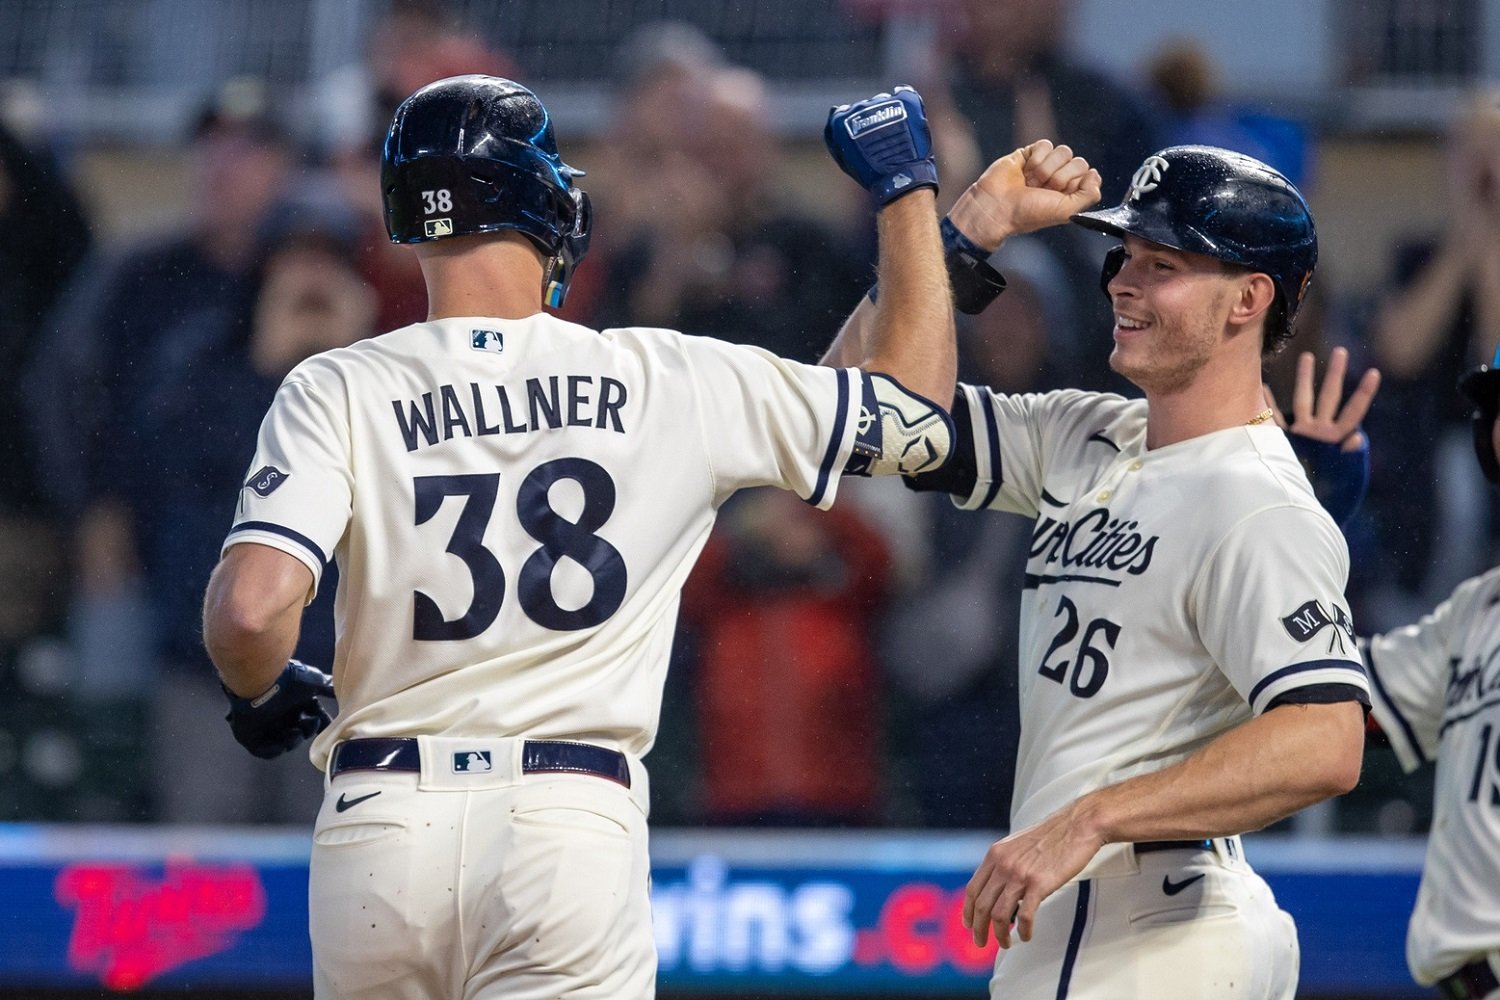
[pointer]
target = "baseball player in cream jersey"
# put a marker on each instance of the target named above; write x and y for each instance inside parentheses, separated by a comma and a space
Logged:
(1436, 687)
(1188, 666)
(514, 502)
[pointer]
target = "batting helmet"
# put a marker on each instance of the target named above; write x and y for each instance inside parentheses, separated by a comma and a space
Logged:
(1482, 388)
(1223, 204)
(476, 154)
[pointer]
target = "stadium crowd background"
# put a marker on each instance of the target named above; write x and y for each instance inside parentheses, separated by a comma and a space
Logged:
(188, 207)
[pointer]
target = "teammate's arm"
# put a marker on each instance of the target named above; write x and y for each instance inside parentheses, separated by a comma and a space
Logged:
(1285, 759)
(252, 615)
(1031, 188)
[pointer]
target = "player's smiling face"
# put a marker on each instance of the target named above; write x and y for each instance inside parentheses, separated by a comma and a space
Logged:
(1170, 310)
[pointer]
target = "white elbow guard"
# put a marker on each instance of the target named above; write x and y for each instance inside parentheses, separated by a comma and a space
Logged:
(900, 433)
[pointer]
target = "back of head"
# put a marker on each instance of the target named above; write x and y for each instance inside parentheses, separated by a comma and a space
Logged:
(1223, 204)
(476, 154)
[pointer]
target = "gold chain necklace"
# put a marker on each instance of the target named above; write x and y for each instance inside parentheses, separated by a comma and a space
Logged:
(1259, 418)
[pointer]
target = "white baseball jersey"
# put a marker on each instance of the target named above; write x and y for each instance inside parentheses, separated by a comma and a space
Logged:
(514, 506)
(1437, 696)
(1170, 594)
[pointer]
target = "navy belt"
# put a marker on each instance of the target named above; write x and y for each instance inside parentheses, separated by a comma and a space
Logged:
(1148, 846)
(537, 757)
(1472, 982)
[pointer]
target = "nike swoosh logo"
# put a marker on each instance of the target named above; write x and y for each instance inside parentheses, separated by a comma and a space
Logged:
(1168, 886)
(344, 803)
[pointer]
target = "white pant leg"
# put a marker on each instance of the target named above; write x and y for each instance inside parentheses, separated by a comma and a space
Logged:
(1220, 936)
(481, 885)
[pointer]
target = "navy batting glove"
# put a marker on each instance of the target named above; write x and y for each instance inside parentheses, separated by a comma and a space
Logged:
(284, 715)
(884, 144)
(1339, 478)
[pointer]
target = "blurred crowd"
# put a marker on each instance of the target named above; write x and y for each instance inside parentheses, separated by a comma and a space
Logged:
(843, 669)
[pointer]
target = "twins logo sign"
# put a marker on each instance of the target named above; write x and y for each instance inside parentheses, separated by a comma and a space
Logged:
(1311, 618)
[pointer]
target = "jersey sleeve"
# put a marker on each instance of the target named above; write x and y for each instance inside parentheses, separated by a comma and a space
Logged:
(1269, 606)
(768, 421)
(1409, 671)
(1012, 439)
(297, 495)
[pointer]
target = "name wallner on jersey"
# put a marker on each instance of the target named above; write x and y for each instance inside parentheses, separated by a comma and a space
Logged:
(476, 410)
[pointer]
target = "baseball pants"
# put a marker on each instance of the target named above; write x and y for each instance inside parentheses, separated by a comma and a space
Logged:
(472, 879)
(1177, 923)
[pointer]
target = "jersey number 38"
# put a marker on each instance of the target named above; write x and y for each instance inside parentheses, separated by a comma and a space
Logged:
(559, 538)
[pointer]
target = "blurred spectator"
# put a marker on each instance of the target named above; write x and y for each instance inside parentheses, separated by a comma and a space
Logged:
(139, 395)
(412, 44)
(1186, 82)
(43, 237)
(1013, 83)
(783, 604)
(307, 297)
(1437, 521)
(717, 251)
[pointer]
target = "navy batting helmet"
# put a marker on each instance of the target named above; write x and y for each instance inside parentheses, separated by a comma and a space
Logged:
(476, 154)
(1482, 388)
(1202, 199)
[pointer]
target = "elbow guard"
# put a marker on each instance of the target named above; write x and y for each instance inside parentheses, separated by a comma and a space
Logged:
(900, 432)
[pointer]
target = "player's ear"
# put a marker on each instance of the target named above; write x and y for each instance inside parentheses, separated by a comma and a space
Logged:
(1254, 292)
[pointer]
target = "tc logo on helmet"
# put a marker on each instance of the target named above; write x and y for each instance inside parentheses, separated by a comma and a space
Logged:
(1147, 178)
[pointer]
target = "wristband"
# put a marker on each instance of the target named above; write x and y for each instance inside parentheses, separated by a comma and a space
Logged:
(975, 283)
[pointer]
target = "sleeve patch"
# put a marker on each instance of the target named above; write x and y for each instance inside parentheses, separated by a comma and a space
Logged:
(1307, 621)
(266, 480)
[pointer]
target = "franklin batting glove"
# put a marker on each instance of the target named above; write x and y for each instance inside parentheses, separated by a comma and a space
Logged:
(884, 144)
(284, 715)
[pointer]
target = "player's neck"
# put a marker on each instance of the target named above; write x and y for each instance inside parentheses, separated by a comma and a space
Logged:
(1210, 403)
(482, 276)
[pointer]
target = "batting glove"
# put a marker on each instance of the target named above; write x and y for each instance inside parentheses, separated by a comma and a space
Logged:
(284, 715)
(884, 144)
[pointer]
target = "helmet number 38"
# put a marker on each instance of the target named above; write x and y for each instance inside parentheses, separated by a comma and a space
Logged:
(440, 200)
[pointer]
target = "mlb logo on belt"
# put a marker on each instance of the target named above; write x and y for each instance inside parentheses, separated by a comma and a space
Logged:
(471, 761)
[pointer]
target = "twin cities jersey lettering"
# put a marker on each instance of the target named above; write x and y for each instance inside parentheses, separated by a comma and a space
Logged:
(1437, 696)
(514, 506)
(1170, 594)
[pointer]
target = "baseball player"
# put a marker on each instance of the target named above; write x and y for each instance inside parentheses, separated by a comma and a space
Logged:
(514, 502)
(1435, 687)
(1188, 666)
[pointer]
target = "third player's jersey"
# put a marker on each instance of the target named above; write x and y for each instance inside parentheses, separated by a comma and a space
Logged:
(1170, 593)
(1437, 697)
(514, 506)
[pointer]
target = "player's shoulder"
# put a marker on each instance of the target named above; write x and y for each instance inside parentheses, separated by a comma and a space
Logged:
(1106, 416)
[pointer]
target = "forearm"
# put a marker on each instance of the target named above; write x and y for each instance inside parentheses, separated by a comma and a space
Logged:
(848, 348)
(911, 336)
(1260, 772)
(1412, 325)
(252, 616)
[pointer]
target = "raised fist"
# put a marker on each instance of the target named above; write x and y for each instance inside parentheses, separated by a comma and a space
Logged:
(884, 144)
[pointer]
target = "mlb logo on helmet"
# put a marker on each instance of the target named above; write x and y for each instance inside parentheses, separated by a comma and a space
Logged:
(471, 761)
(438, 227)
